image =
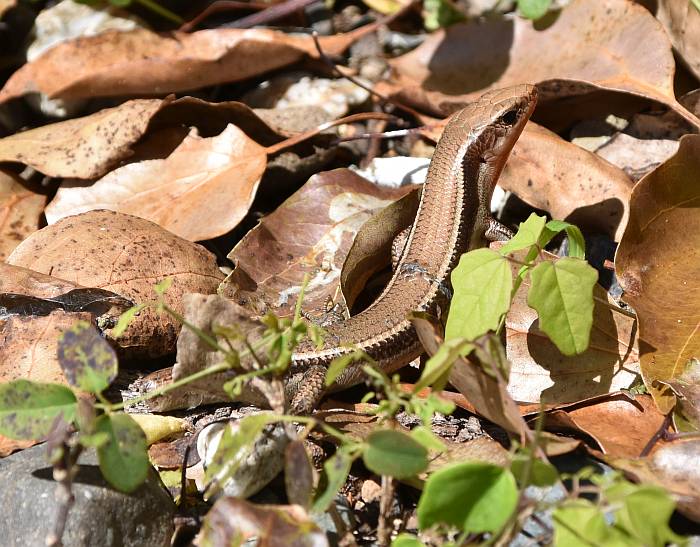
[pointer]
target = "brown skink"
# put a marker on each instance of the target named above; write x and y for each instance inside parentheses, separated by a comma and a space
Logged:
(453, 218)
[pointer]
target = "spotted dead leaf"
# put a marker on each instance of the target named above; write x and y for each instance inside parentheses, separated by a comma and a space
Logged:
(126, 255)
(568, 182)
(620, 425)
(87, 360)
(82, 147)
(658, 265)
(20, 212)
(310, 233)
(681, 20)
(595, 43)
(201, 191)
(105, 65)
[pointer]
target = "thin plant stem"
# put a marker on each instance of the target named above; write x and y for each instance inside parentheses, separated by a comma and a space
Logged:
(163, 12)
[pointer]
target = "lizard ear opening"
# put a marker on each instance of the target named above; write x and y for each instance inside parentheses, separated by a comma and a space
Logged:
(510, 117)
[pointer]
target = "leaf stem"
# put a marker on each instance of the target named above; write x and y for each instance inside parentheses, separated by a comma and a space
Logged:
(160, 10)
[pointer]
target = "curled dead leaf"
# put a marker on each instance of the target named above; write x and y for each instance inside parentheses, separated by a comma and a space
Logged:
(658, 265)
(105, 65)
(128, 256)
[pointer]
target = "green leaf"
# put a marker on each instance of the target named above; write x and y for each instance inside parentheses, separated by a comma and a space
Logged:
(87, 360)
(579, 523)
(124, 457)
(577, 244)
(528, 234)
(428, 439)
(696, 4)
(438, 366)
(28, 409)
(482, 283)
(407, 540)
(125, 320)
(645, 513)
(162, 287)
(395, 454)
(541, 473)
(562, 294)
(533, 9)
(337, 469)
(440, 13)
(475, 497)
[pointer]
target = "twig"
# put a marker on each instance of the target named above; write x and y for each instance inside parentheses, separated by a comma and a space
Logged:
(308, 134)
(64, 458)
(656, 436)
(273, 13)
(218, 7)
(385, 501)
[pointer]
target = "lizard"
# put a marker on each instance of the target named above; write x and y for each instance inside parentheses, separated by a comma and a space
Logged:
(453, 217)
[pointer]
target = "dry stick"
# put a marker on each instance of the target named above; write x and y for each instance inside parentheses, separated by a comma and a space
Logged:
(656, 436)
(384, 528)
(218, 7)
(291, 141)
(269, 15)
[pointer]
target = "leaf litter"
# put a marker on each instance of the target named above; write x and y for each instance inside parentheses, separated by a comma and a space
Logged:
(135, 175)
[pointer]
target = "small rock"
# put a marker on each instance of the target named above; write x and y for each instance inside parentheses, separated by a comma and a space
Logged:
(371, 491)
(100, 515)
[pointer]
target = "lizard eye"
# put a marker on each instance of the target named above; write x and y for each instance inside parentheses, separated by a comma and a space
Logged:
(510, 117)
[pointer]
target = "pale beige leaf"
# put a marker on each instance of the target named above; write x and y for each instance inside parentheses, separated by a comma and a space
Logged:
(201, 191)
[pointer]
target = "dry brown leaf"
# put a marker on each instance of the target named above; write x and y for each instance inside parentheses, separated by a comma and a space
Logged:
(126, 255)
(105, 65)
(682, 22)
(8, 446)
(658, 265)
(310, 233)
(201, 191)
(4, 6)
(28, 346)
(232, 519)
(621, 426)
(82, 147)
(568, 182)
(20, 212)
(594, 43)
(18, 280)
(636, 156)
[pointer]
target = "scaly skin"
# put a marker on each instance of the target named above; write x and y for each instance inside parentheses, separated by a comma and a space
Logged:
(453, 218)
